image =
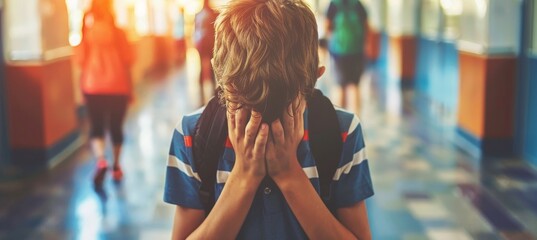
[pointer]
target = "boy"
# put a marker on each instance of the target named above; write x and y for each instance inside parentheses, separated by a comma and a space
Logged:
(266, 63)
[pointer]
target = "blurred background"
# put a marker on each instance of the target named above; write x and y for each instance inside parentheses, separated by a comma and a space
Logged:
(449, 115)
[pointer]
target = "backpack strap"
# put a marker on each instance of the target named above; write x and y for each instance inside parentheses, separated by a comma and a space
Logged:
(324, 136)
(209, 139)
(325, 140)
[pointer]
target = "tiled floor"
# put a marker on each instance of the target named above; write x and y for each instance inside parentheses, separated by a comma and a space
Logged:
(425, 188)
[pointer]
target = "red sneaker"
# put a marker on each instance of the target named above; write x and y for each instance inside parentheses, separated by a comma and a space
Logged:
(100, 172)
(117, 174)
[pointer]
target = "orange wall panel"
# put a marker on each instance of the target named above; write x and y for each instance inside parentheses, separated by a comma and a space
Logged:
(486, 100)
(373, 44)
(500, 97)
(25, 114)
(472, 93)
(58, 101)
(402, 56)
(408, 47)
(41, 104)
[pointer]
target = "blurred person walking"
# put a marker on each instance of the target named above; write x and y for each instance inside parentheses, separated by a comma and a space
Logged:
(105, 57)
(204, 43)
(346, 29)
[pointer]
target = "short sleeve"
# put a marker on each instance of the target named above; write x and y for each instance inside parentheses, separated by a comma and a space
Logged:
(352, 180)
(182, 180)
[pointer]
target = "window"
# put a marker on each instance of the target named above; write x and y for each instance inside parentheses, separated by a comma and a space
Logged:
(22, 36)
(474, 26)
(76, 9)
(402, 17)
(430, 18)
(35, 30)
(490, 26)
(533, 28)
(452, 9)
(375, 13)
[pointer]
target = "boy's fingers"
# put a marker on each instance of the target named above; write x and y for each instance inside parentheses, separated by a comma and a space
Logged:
(230, 113)
(230, 123)
(240, 121)
(299, 116)
(288, 120)
(277, 132)
(298, 108)
(296, 102)
(261, 140)
(270, 140)
(252, 127)
(230, 118)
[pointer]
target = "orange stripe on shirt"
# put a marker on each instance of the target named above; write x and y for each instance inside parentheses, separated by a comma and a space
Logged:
(344, 136)
(306, 136)
(228, 143)
(188, 141)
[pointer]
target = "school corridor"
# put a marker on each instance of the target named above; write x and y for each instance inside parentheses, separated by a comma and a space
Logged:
(448, 113)
(425, 187)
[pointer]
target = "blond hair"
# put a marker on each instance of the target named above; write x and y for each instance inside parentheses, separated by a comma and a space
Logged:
(265, 53)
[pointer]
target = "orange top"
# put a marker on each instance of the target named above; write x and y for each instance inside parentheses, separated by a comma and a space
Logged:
(105, 58)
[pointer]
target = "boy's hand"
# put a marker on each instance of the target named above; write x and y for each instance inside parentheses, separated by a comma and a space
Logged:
(249, 139)
(283, 142)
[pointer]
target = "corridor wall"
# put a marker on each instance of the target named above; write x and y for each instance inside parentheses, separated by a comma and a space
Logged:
(488, 52)
(402, 19)
(39, 87)
(376, 20)
(529, 149)
(437, 65)
(527, 89)
(437, 72)
(4, 139)
(379, 40)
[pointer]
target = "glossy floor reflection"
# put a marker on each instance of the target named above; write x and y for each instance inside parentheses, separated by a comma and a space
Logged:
(425, 187)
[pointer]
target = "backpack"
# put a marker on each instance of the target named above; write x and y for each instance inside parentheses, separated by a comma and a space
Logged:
(348, 28)
(323, 132)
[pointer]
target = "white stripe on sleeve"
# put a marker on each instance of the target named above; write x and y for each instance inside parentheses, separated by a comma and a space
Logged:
(173, 161)
(358, 158)
(355, 120)
(198, 111)
(354, 124)
(222, 176)
(311, 172)
(179, 126)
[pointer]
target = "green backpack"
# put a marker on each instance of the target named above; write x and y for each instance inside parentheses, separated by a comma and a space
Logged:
(348, 29)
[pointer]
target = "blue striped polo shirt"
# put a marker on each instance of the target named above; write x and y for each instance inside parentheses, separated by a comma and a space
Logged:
(269, 216)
